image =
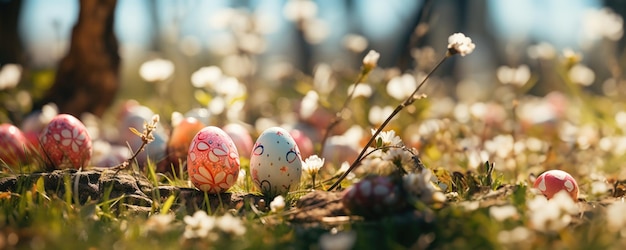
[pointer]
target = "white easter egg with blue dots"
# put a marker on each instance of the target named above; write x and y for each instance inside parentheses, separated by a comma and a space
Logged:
(275, 162)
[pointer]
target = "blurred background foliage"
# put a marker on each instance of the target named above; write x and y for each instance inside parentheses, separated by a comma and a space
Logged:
(262, 36)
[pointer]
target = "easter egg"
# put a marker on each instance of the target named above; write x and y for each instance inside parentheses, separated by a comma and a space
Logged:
(14, 145)
(304, 142)
(106, 155)
(181, 138)
(212, 160)
(66, 143)
(135, 117)
(554, 181)
(373, 196)
(241, 137)
(275, 162)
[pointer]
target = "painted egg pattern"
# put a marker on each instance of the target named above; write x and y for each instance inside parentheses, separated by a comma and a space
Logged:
(66, 143)
(554, 181)
(14, 145)
(373, 196)
(213, 161)
(275, 162)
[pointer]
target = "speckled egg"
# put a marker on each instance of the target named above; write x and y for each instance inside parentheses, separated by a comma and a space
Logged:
(66, 142)
(212, 160)
(14, 145)
(275, 162)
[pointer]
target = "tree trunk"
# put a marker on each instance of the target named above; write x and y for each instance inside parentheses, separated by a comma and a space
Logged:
(10, 43)
(87, 78)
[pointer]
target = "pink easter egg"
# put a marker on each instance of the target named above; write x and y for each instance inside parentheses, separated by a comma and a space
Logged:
(213, 161)
(66, 143)
(304, 142)
(14, 145)
(241, 137)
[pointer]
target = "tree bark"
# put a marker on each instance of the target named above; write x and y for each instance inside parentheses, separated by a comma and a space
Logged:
(10, 43)
(87, 78)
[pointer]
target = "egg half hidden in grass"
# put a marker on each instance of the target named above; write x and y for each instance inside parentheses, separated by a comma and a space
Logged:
(14, 146)
(66, 143)
(553, 181)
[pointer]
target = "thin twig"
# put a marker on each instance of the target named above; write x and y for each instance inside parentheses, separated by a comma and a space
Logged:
(146, 137)
(339, 115)
(397, 110)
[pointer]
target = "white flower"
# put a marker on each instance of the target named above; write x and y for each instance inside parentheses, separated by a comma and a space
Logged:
(278, 204)
(515, 235)
(355, 43)
(388, 138)
(515, 76)
(156, 70)
(337, 241)
(206, 76)
(551, 215)
(615, 216)
(159, 223)
(199, 225)
(420, 186)
(501, 213)
(374, 163)
(603, 23)
(309, 104)
(300, 10)
(323, 80)
(401, 87)
(458, 43)
(582, 75)
(399, 155)
(599, 187)
(370, 60)
(362, 89)
(231, 225)
(377, 114)
(313, 164)
(343, 168)
(10, 76)
(501, 145)
(315, 30)
(544, 51)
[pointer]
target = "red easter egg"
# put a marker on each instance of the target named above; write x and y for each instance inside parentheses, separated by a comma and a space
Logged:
(14, 145)
(213, 161)
(554, 181)
(373, 196)
(66, 143)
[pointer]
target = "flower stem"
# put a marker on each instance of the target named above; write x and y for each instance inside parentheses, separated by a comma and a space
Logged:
(397, 110)
(338, 116)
